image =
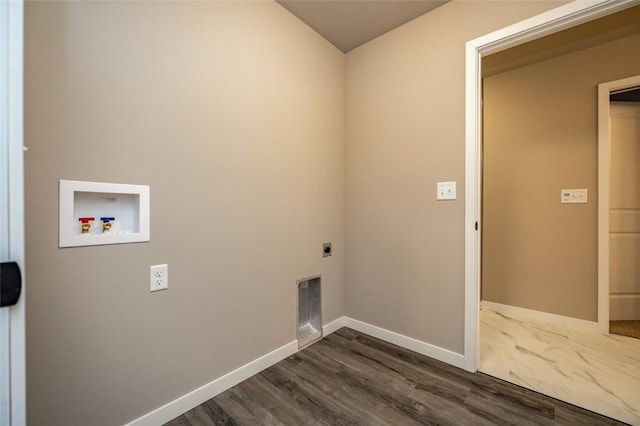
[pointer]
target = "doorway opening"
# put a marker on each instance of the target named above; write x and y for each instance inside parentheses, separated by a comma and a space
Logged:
(556, 20)
(619, 207)
(538, 252)
(477, 50)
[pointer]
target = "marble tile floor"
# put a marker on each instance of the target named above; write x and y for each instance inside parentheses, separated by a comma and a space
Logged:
(587, 369)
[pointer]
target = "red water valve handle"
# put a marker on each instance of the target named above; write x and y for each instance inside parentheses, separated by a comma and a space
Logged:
(86, 219)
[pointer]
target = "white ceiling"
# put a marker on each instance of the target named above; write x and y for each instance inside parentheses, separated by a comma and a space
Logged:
(348, 24)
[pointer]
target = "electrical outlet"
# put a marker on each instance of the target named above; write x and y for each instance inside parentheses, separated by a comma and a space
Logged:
(326, 249)
(158, 277)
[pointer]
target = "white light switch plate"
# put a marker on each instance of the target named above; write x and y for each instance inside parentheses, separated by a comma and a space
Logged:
(573, 196)
(446, 191)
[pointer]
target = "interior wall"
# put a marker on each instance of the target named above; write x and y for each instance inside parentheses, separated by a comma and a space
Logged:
(405, 109)
(540, 136)
(233, 113)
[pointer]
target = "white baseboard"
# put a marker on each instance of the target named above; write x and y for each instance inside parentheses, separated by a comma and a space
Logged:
(333, 326)
(196, 397)
(624, 307)
(410, 343)
(530, 314)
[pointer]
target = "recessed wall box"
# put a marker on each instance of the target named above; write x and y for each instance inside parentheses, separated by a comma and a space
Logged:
(126, 207)
(309, 311)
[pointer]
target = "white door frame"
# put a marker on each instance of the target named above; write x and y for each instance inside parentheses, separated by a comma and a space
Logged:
(12, 319)
(555, 20)
(604, 176)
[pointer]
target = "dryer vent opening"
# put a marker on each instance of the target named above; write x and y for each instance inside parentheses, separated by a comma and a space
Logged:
(309, 311)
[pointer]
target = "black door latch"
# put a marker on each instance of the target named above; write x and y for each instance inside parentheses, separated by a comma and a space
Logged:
(10, 283)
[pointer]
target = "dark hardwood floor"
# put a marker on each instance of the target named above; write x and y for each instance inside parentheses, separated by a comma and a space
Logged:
(349, 378)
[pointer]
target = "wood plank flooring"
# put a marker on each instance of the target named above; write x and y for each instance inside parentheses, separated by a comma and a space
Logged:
(349, 378)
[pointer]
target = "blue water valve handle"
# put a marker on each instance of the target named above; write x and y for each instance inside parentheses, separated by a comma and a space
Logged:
(106, 223)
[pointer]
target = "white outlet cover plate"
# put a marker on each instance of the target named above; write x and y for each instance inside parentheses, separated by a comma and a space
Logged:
(158, 277)
(446, 191)
(573, 196)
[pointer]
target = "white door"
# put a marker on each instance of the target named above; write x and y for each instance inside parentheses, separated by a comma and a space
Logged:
(624, 204)
(12, 329)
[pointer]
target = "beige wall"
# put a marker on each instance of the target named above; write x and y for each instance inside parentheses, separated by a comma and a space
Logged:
(624, 204)
(540, 136)
(233, 113)
(405, 132)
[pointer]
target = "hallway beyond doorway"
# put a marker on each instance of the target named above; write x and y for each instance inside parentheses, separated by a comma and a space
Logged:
(586, 368)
